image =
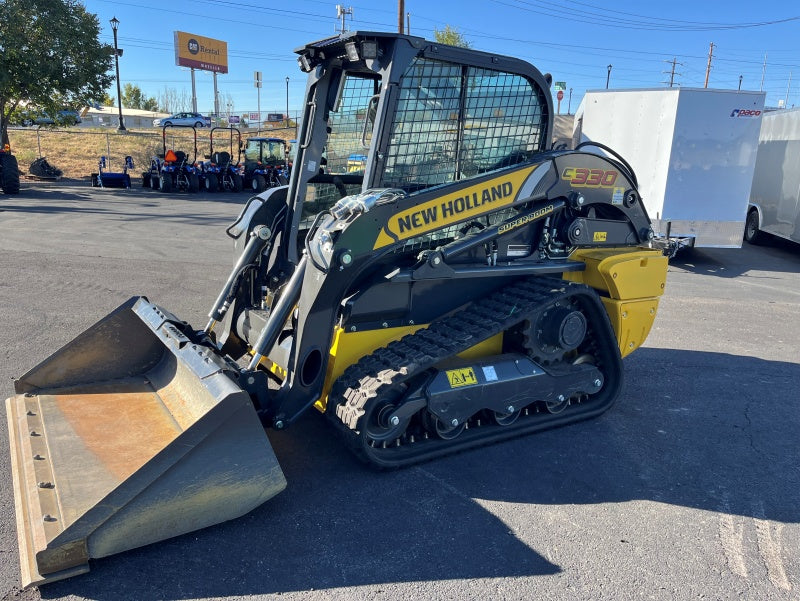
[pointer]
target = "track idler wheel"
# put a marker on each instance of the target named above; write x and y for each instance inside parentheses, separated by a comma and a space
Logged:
(379, 427)
(506, 418)
(445, 431)
(555, 407)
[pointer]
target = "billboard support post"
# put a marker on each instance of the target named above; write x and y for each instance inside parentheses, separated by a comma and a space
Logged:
(194, 93)
(257, 82)
(216, 97)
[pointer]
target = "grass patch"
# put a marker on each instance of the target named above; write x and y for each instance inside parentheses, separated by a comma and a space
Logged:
(77, 150)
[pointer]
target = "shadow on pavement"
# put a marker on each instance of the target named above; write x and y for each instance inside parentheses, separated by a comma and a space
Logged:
(781, 256)
(709, 431)
(130, 205)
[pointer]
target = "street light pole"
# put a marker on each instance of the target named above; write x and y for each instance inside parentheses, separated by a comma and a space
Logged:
(287, 103)
(608, 77)
(114, 26)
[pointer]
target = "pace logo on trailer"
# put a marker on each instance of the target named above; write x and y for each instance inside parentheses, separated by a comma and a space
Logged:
(745, 113)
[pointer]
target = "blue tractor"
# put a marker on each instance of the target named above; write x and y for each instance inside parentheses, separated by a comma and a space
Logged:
(266, 163)
(220, 172)
(172, 169)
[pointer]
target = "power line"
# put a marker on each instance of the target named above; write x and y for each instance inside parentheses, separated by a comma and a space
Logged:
(649, 23)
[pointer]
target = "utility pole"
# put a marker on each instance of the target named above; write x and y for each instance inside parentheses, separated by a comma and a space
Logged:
(763, 72)
(708, 67)
(569, 103)
(401, 8)
(608, 77)
(740, 82)
(341, 13)
(786, 102)
(671, 72)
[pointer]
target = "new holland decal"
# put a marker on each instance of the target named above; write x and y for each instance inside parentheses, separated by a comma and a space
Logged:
(454, 207)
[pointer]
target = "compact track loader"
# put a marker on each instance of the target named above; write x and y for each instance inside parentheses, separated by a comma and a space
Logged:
(464, 287)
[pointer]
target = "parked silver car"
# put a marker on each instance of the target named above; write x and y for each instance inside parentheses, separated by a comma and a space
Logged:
(195, 119)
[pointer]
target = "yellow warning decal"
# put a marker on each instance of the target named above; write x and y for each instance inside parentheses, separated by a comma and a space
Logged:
(455, 207)
(600, 236)
(464, 376)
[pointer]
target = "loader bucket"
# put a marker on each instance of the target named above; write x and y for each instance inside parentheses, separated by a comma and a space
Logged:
(128, 435)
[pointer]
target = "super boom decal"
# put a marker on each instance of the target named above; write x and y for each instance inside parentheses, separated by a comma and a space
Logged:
(455, 207)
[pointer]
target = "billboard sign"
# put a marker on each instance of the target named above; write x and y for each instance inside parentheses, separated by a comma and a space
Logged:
(199, 52)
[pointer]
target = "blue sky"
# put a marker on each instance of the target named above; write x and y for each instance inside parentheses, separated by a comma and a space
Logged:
(575, 40)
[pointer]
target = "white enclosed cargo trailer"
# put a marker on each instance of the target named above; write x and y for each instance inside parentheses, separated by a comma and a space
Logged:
(775, 196)
(693, 151)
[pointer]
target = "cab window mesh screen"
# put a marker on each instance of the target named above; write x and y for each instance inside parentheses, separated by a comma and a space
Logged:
(455, 122)
(344, 151)
(348, 122)
(503, 118)
(422, 150)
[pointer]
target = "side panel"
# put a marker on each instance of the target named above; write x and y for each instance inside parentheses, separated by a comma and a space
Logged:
(693, 151)
(631, 281)
(776, 181)
(638, 124)
(711, 165)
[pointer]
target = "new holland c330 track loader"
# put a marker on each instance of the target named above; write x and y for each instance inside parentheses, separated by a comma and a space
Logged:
(465, 287)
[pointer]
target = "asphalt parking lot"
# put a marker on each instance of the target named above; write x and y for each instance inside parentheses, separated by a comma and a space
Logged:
(688, 488)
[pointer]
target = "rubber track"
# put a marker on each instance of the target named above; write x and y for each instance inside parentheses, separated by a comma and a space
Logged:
(384, 372)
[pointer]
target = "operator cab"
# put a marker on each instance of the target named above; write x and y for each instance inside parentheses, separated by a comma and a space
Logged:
(393, 111)
(268, 151)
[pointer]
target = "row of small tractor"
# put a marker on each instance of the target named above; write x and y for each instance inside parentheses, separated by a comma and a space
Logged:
(266, 164)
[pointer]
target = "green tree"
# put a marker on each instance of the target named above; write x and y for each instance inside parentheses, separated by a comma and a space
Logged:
(134, 98)
(108, 100)
(450, 36)
(50, 57)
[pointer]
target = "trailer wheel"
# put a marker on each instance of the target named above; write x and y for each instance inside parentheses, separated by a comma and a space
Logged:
(238, 182)
(194, 183)
(211, 183)
(165, 183)
(752, 233)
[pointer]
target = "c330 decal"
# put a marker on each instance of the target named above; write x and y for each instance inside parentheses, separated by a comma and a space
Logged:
(581, 177)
